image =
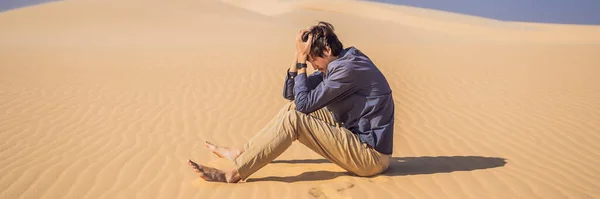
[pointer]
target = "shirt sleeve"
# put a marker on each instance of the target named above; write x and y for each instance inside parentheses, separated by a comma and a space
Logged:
(337, 85)
(314, 79)
(288, 87)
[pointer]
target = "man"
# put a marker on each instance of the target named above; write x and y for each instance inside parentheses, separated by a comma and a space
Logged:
(344, 111)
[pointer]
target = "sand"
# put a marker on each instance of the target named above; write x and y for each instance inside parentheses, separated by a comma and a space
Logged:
(108, 99)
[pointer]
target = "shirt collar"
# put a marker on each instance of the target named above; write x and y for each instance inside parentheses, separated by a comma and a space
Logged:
(343, 53)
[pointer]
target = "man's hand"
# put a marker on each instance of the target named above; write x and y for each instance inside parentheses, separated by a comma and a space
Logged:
(303, 48)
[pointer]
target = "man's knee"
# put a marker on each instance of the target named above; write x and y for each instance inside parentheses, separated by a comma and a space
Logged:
(291, 105)
(292, 118)
(292, 115)
(289, 124)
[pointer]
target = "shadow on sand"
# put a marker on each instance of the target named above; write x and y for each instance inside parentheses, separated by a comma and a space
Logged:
(399, 166)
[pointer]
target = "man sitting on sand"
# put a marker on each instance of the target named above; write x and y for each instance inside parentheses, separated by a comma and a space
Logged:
(344, 111)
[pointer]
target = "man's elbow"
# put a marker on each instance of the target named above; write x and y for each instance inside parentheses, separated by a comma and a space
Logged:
(301, 107)
(288, 97)
(288, 93)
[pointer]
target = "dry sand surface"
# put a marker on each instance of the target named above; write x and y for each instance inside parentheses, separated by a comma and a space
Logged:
(108, 99)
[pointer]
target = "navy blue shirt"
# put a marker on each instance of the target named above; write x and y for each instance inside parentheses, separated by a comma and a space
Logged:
(355, 91)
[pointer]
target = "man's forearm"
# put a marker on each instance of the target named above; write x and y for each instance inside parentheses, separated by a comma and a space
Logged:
(288, 87)
(293, 68)
(301, 59)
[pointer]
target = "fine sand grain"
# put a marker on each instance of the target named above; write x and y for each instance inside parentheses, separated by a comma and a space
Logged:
(109, 99)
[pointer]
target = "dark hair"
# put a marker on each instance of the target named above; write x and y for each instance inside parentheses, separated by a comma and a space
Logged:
(323, 37)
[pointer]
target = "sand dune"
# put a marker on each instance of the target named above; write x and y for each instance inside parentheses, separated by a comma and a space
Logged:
(108, 99)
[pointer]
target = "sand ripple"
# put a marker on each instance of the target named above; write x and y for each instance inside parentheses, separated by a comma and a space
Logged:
(111, 106)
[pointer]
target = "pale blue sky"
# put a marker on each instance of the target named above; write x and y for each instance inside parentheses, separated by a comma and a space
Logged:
(12, 4)
(545, 11)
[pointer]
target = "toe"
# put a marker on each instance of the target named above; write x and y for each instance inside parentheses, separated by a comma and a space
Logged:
(197, 168)
(193, 164)
(209, 145)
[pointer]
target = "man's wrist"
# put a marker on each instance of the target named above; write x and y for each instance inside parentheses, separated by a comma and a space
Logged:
(301, 65)
(301, 59)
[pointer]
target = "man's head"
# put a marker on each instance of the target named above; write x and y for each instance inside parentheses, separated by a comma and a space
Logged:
(325, 46)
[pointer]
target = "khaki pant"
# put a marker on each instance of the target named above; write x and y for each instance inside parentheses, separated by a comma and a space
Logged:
(317, 131)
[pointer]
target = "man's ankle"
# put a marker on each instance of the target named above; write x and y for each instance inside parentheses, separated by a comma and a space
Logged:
(232, 176)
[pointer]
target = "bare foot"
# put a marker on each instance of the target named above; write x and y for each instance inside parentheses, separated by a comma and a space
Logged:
(214, 175)
(223, 152)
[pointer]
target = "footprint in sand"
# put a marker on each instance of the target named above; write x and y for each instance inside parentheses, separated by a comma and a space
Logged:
(333, 190)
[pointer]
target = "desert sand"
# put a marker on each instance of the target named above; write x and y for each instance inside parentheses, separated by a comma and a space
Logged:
(109, 99)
